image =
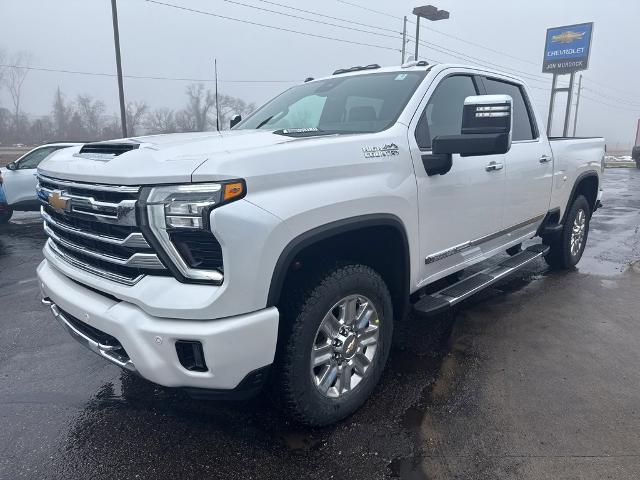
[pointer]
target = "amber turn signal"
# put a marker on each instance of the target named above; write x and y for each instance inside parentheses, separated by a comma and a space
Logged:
(233, 190)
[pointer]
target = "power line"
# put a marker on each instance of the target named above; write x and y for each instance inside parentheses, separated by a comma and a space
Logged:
(353, 29)
(370, 9)
(468, 42)
(310, 12)
(273, 27)
(530, 76)
(479, 61)
(637, 110)
(142, 77)
(590, 80)
(610, 97)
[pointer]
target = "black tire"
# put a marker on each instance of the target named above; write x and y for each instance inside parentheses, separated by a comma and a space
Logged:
(5, 215)
(560, 255)
(301, 316)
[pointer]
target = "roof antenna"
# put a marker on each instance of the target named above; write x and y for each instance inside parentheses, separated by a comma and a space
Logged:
(215, 66)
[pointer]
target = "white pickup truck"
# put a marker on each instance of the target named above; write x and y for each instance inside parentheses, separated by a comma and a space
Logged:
(285, 250)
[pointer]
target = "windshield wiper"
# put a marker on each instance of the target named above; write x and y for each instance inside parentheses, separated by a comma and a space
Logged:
(264, 122)
(312, 132)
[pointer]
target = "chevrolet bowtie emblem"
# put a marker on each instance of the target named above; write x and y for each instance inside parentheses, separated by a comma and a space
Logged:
(58, 201)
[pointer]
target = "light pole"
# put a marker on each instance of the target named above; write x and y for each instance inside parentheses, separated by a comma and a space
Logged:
(430, 13)
(116, 41)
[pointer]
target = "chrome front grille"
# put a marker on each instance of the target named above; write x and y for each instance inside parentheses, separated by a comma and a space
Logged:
(94, 228)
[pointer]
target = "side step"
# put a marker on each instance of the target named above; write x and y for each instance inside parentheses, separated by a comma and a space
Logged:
(441, 301)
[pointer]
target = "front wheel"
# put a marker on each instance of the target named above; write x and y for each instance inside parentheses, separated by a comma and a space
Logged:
(336, 337)
(567, 247)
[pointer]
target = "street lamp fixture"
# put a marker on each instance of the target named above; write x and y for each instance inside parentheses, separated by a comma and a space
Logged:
(428, 12)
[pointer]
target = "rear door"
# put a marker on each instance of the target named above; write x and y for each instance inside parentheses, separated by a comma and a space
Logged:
(529, 163)
(459, 210)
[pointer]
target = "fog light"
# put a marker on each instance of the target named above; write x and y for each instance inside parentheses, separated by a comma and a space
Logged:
(191, 355)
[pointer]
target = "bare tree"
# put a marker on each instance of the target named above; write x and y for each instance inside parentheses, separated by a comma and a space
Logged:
(3, 69)
(91, 112)
(161, 120)
(229, 106)
(195, 116)
(42, 130)
(16, 75)
(135, 113)
(76, 128)
(112, 128)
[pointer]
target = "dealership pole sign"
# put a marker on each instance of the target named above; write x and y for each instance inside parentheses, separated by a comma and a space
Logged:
(566, 51)
(567, 48)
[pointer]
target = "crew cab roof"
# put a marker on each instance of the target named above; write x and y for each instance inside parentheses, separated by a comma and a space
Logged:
(438, 66)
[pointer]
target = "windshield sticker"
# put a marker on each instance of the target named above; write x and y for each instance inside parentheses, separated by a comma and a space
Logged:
(299, 130)
(401, 76)
(388, 150)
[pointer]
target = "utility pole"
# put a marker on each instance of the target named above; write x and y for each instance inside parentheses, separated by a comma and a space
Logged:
(116, 41)
(575, 119)
(404, 39)
(415, 56)
(215, 67)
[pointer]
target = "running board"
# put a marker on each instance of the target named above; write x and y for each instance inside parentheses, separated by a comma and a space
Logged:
(441, 301)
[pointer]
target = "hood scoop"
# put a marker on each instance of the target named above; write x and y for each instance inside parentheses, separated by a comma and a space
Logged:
(105, 151)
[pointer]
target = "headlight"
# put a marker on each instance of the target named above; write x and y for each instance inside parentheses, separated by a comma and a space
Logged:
(178, 221)
(188, 206)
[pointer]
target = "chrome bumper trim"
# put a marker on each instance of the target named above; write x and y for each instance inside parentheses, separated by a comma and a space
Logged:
(108, 352)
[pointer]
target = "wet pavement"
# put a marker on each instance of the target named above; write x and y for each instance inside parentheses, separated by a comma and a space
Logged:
(536, 378)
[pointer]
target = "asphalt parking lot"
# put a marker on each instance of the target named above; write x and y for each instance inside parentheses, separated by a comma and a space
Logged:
(536, 378)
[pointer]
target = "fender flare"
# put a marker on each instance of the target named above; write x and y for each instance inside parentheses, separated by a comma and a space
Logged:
(323, 232)
(581, 177)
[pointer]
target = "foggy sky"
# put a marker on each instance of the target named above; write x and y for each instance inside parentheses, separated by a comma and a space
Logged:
(160, 41)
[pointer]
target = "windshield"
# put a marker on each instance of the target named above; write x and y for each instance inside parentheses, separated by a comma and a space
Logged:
(350, 104)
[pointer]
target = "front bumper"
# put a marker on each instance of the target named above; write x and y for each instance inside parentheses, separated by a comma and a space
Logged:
(233, 347)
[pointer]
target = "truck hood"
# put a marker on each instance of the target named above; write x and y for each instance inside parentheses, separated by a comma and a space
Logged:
(168, 158)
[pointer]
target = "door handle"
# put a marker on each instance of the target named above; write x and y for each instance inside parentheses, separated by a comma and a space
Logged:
(494, 166)
(546, 158)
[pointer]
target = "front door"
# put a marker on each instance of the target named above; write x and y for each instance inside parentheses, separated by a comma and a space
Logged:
(460, 210)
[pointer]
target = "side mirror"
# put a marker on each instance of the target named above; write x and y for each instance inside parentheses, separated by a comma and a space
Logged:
(486, 128)
(12, 166)
(236, 119)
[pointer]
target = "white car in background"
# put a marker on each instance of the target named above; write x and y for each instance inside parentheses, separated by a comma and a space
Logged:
(18, 180)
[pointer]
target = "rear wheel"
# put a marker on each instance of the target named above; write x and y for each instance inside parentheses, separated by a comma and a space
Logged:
(5, 215)
(567, 247)
(334, 344)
